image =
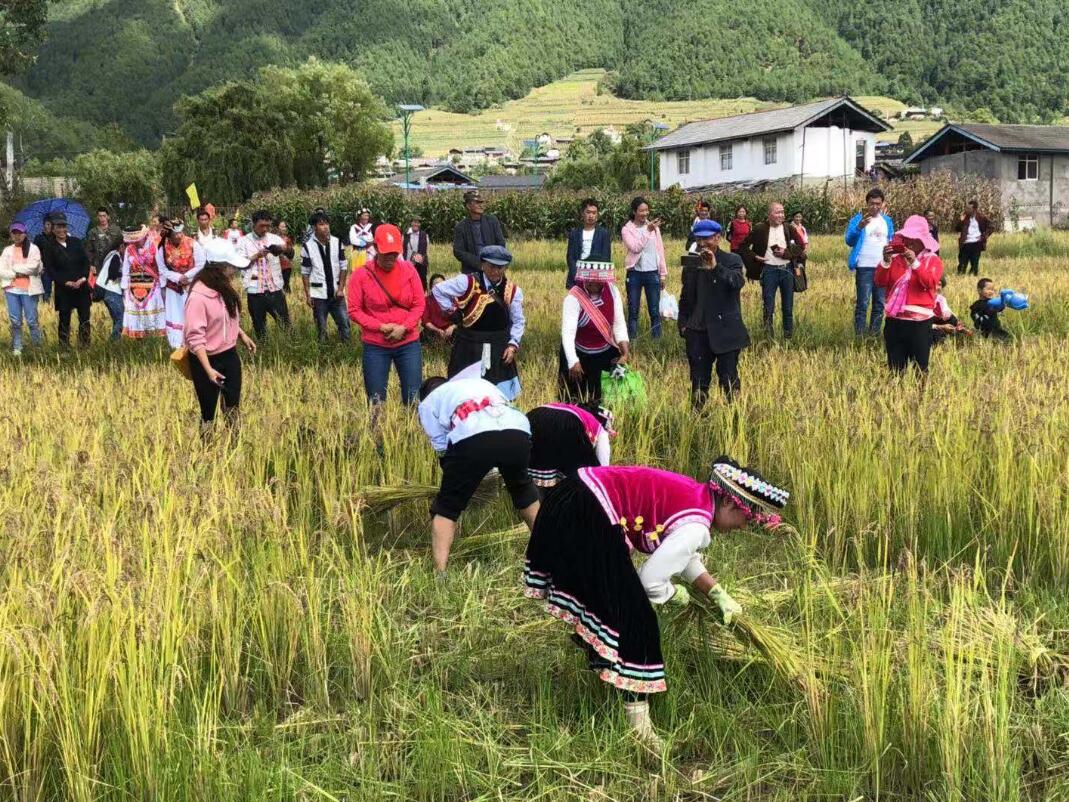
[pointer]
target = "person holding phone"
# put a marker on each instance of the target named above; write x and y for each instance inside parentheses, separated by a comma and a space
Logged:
(263, 276)
(212, 330)
(868, 233)
(646, 267)
(767, 254)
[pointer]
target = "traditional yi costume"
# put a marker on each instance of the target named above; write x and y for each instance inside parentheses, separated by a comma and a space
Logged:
(177, 266)
(144, 312)
(565, 438)
(491, 320)
(592, 330)
(579, 557)
(474, 429)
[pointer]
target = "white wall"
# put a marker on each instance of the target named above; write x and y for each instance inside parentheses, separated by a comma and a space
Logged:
(824, 158)
(748, 163)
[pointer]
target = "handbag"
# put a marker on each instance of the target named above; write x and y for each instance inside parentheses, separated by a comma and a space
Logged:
(180, 360)
(623, 387)
(801, 280)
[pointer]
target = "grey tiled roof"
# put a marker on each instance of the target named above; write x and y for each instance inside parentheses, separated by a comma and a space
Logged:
(743, 126)
(1047, 138)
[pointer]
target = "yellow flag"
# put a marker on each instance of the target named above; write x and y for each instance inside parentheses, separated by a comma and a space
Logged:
(194, 198)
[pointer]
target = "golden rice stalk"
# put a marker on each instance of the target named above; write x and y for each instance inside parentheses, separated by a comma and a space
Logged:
(378, 499)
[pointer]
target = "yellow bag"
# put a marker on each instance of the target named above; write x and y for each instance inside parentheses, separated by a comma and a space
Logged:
(180, 360)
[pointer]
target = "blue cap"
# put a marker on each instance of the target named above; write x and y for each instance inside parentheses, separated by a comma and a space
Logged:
(703, 229)
(496, 255)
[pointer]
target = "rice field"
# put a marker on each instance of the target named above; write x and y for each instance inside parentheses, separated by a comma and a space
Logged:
(572, 107)
(224, 620)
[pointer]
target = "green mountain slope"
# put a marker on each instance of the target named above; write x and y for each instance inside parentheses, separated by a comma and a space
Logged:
(128, 60)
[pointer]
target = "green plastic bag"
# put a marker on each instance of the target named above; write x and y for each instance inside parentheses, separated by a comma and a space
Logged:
(623, 387)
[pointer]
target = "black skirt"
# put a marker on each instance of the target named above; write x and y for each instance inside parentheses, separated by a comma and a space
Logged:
(559, 446)
(468, 349)
(579, 563)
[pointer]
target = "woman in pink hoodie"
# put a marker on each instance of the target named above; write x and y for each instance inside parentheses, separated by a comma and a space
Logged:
(213, 330)
(646, 267)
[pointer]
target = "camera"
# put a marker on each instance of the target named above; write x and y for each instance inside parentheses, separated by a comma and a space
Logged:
(690, 260)
(274, 250)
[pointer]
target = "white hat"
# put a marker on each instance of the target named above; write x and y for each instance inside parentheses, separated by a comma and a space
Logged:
(219, 250)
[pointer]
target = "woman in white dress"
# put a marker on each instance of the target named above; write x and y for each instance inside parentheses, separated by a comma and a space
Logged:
(144, 314)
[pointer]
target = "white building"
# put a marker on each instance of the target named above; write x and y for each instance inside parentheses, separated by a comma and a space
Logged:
(816, 142)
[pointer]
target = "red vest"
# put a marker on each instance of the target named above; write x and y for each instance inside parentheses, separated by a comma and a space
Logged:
(647, 503)
(587, 336)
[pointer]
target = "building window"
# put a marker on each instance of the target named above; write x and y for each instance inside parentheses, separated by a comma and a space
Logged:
(770, 151)
(683, 162)
(726, 154)
(1028, 167)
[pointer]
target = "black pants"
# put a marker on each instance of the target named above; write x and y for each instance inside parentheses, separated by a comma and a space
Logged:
(907, 341)
(969, 254)
(465, 465)
(588, 388)
(67, 301)
(262, 304)
(701, 357)
(286, 279)
(208, 392)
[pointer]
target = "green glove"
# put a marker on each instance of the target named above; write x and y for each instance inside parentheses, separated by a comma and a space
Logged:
(681, 598)
(729, 608)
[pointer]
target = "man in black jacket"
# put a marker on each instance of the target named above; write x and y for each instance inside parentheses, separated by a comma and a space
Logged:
(474, 233)
(710, 314)
(66, 261)
(590, 242)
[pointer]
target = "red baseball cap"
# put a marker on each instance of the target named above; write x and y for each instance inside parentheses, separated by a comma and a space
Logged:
(388, 238)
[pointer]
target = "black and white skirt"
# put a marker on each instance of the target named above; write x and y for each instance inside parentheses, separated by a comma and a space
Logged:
(559, 446)
(581, 566)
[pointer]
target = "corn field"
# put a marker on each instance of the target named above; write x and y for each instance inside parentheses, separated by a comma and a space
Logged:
(223, 619)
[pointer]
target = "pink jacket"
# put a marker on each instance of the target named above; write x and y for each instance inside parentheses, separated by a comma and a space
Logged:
(369, 307)
(207, 323)
(635, 240)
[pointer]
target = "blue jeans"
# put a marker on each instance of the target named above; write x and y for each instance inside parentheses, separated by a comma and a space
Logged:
(781, 279)
(114, 304)
(335, 308)
(864, 281)
(21, 307)
(636, 281)
(376, 362)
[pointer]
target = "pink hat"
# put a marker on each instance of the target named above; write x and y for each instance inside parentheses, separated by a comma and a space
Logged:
(916, 227)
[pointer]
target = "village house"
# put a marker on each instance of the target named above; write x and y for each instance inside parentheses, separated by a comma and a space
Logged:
(833, 139)
(1029, 162)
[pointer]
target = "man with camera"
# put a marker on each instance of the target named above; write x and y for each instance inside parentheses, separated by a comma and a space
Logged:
(710, 313)
(768, 255)
(263, 277)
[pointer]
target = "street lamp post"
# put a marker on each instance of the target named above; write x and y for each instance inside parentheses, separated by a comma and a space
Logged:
(407, 110)
(657, 129)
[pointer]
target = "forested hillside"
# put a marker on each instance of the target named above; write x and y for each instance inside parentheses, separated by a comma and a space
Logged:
(129, 60)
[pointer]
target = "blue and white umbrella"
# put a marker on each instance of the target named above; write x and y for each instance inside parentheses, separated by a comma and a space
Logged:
(33, 216)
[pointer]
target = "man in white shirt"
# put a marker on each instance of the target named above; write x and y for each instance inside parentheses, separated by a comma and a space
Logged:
(473, 429)
(973, 230)
(867, 234)
(589, 242)
(205, 232)
(324, 273)
(417, 244)
(263, 277)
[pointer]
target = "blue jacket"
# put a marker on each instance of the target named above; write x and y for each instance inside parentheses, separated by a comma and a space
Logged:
(855, 236)
(600, 249)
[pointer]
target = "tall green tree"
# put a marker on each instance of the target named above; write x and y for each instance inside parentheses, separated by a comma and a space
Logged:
(22, 26)
(290, 127)
(596, 161)
(127, 183)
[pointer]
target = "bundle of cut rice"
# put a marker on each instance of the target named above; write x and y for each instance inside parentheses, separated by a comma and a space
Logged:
(376, 499)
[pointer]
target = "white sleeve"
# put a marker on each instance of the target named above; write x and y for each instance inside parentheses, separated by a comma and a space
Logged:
(447, 292)
(677, 555)
(569, 325)
(124, 282)
(199, 259)
(161, 265)
(603, 449)
(619, 322)
(438, 434)
(519, 322)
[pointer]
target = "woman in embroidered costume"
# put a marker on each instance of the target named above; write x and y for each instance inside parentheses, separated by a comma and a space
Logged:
(179, 259)
(579, 561)
(565, 438)
(593, 331)
(143, 308)
(491, 320)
